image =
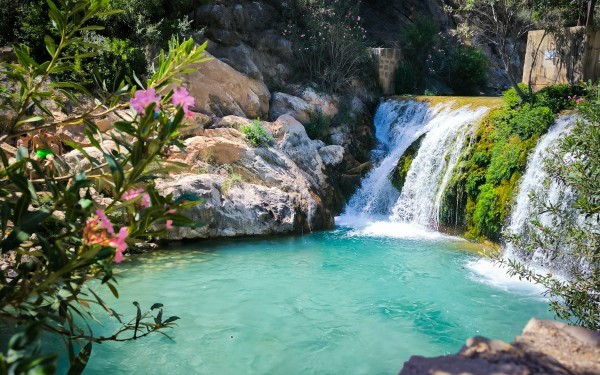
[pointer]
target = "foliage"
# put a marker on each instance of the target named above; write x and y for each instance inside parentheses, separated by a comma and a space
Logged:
(480, 192)
(501, 23)
(569, 237)
(431, 55)
(467, 70)
(53, 225)
(256, 133)
(330, 44)
(558, 97)
(511, 98)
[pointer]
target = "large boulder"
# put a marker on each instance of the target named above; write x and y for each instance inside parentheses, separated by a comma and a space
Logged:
(544, 347)
(251, 191)
(220, 90)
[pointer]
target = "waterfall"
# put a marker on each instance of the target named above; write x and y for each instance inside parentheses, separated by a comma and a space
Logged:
(432, 168)
(397, 125)
(536, 181)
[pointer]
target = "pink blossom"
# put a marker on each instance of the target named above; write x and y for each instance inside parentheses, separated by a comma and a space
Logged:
(132, 194)
(169, 224)
(119, 244)
(182, 97)
(578, 100)
(143, 99)
(105, 223)
(172, 211)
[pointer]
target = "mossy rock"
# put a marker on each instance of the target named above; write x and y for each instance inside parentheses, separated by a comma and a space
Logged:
(398, 175)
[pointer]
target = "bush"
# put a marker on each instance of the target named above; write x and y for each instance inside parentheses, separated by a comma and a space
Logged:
(432, 56)
(511, 98)
(467, 71)
(330, 44)
(405, 79)
(256, 134)
(61, 237)
(558, 97)
(570, 237)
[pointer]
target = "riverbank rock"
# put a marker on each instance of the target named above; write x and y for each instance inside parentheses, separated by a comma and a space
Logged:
(306, 107)
(249, 191)
(544, 347)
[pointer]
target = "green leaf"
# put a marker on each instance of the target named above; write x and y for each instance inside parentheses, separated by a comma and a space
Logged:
(50, 45)
(85, 203)
(171, 319)
(31, 119)
(81, 360)
(156, 306)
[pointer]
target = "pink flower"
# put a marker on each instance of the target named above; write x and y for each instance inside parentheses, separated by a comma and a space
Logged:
(106, 224)
(169, 224)
(143, 99)
(132, 194)
(119, 244)
(578, 100)
(182, 97)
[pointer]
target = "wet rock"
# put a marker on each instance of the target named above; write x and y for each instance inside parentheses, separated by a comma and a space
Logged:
(332, 155)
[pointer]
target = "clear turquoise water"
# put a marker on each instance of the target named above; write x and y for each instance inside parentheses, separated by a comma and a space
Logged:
(337, 302)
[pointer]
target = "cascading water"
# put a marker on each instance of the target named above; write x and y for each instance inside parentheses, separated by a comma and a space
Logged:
(397, 125)
(432, 167)
(536, 182)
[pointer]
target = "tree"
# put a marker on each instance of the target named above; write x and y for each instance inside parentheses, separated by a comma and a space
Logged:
(55, 234)
(501, 23)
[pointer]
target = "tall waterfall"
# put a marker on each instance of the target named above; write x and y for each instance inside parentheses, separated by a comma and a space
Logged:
(397, 125)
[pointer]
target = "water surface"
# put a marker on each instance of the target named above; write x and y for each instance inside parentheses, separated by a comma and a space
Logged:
(348, 301)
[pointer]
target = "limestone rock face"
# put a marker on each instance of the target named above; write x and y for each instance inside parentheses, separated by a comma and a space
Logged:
(220, 90)
(304, 108)
(332, 155)
(251, 191)
(544, 347)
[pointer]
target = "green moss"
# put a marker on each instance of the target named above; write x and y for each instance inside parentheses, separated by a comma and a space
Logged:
(481, 191)
(398, 175)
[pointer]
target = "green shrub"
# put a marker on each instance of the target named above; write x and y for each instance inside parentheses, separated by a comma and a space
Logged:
(467, 71)
(256, 134)
(330, 44)
(511, 98)
(405, 79)
(531, 120)
(486, 217)
(431, 56)
(556, 97)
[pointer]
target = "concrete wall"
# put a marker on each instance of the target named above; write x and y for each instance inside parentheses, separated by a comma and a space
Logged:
(568, 58)
(387, 60)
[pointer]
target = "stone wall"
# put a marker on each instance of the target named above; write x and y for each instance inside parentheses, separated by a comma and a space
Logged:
(568, 58)
(387, 60)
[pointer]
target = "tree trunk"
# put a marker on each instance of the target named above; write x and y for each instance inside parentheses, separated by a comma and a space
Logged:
(589, 19)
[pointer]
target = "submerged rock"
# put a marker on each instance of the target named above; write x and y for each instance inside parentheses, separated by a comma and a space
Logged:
(544, 347)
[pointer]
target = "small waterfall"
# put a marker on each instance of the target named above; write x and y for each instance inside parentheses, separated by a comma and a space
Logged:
(536, 181)
(432, 168)
(397, 125)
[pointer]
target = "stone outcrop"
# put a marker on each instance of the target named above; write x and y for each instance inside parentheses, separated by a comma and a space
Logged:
(252, 191)
(306, 107)
(544, 347)
(220, 90)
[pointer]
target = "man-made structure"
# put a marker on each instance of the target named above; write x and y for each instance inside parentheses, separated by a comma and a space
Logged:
(567, 58)
(387, 60)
